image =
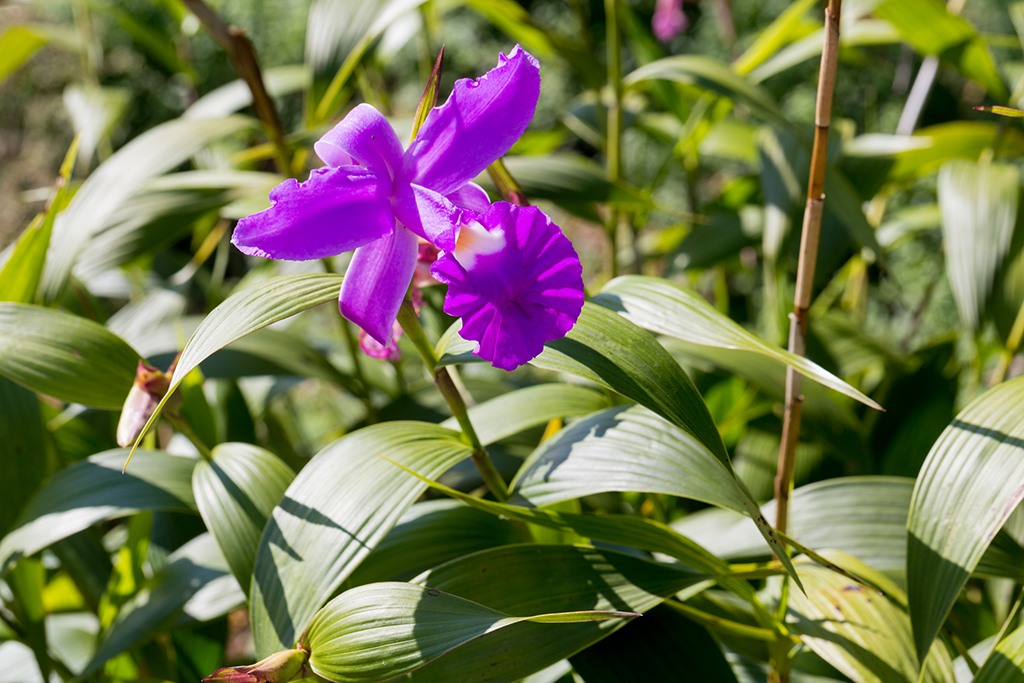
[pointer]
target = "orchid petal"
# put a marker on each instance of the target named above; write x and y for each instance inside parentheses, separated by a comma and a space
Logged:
(427, 213)
(335, 210)
(365, 136)
(471, 197)
(477, 125)
(376, 282)
(515, 281)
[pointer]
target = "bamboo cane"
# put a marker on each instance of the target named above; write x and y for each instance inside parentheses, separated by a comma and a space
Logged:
(808, 257)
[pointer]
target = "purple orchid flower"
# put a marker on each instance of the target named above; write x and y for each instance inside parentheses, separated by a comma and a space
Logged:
(379, 206)
(515, 281)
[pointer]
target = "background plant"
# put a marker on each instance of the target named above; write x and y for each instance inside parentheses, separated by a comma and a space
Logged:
(635, 450)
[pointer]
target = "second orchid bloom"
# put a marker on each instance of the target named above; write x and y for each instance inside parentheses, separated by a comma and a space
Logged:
(513, 276)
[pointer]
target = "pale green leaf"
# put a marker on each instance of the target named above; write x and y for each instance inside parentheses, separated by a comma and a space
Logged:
(235, 492)
(353, 496)
(16, 46)
(65, 356)
(979, 211)
(664, 307)
(1005, 663)
(966, 490)
(408, 626)
(95, 490)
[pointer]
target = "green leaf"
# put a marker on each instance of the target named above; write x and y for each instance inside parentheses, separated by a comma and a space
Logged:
(626, 448)
(409, 626)
(94, 110)
(865, 517)
(571, 181)
(710, 74)
(515, 411)
(19, 277)
(864, 634)
(966, 490)
(65, 356)
(863, 32)
(235, 492)
(979, 211)
(428, 534)
(23, 456)
(666, 308)
(189, 569)
(236, 95)
(625, 530)
(429, 99)
(1002, 111)
(932, 30)
(156, 151)
(606, 348)
(781, 31)
(527, 579)
(16, 46)
(353, 497)
(1005, 664)
(954, 140)
(663, 646)
(95, 490)
(246, 311)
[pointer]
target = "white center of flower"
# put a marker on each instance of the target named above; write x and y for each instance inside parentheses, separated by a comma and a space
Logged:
(475, 240)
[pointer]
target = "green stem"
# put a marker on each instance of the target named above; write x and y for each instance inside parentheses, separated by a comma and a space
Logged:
(353, 349)
(410, 323)
(185, 428)
(613, 137)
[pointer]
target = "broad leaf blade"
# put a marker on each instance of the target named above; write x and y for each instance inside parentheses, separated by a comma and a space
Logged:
(246, 311)
(95, 490)
(966, 490)
(353, 497)
(156, 151)
(23, 455)
(663, 307)
(863, 634)
(1005, 663)
(235, 492)
(515, 411)
(519, 580)
(65, 356)
(409, 626)
(626, 448)
(979, 211)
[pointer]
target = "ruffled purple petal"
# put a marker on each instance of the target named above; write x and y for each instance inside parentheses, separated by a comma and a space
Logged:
(335, 210)
(427, 213)
(376, 282)
(477, 125)
(364, 136)
(471, 197)
(515, 281)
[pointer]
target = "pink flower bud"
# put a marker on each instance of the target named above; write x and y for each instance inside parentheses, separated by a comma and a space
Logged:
(280, 667)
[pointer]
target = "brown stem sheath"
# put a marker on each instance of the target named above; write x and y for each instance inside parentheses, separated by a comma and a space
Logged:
(808, 258)
(247, 66)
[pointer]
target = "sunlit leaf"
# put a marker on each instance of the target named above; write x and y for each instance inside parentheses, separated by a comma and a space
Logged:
(95, 490)
(65, 356)
(966, 490)
(235, 493)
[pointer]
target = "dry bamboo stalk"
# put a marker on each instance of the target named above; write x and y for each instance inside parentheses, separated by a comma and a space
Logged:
(808, 258)
(247, 66)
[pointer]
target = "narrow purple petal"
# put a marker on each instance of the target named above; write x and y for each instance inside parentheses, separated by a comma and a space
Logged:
(471, 197)
(376, 282)
(428, 214)
(515, 281)
(335, 210)
(365, 136)
(477, 125)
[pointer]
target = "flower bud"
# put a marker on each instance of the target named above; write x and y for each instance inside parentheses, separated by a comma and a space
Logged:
(280, 667)
(148, 390)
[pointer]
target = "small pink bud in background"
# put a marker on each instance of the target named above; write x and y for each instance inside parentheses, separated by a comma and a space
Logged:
(374, 349)
(669, 20)
(280, 667)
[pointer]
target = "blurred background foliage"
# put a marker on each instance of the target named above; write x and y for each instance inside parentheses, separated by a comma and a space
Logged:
(917, 295)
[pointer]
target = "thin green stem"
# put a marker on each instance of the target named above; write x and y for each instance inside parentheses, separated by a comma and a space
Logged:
(613, 137)
(357, 369)
(182, 425)
(410, 323)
